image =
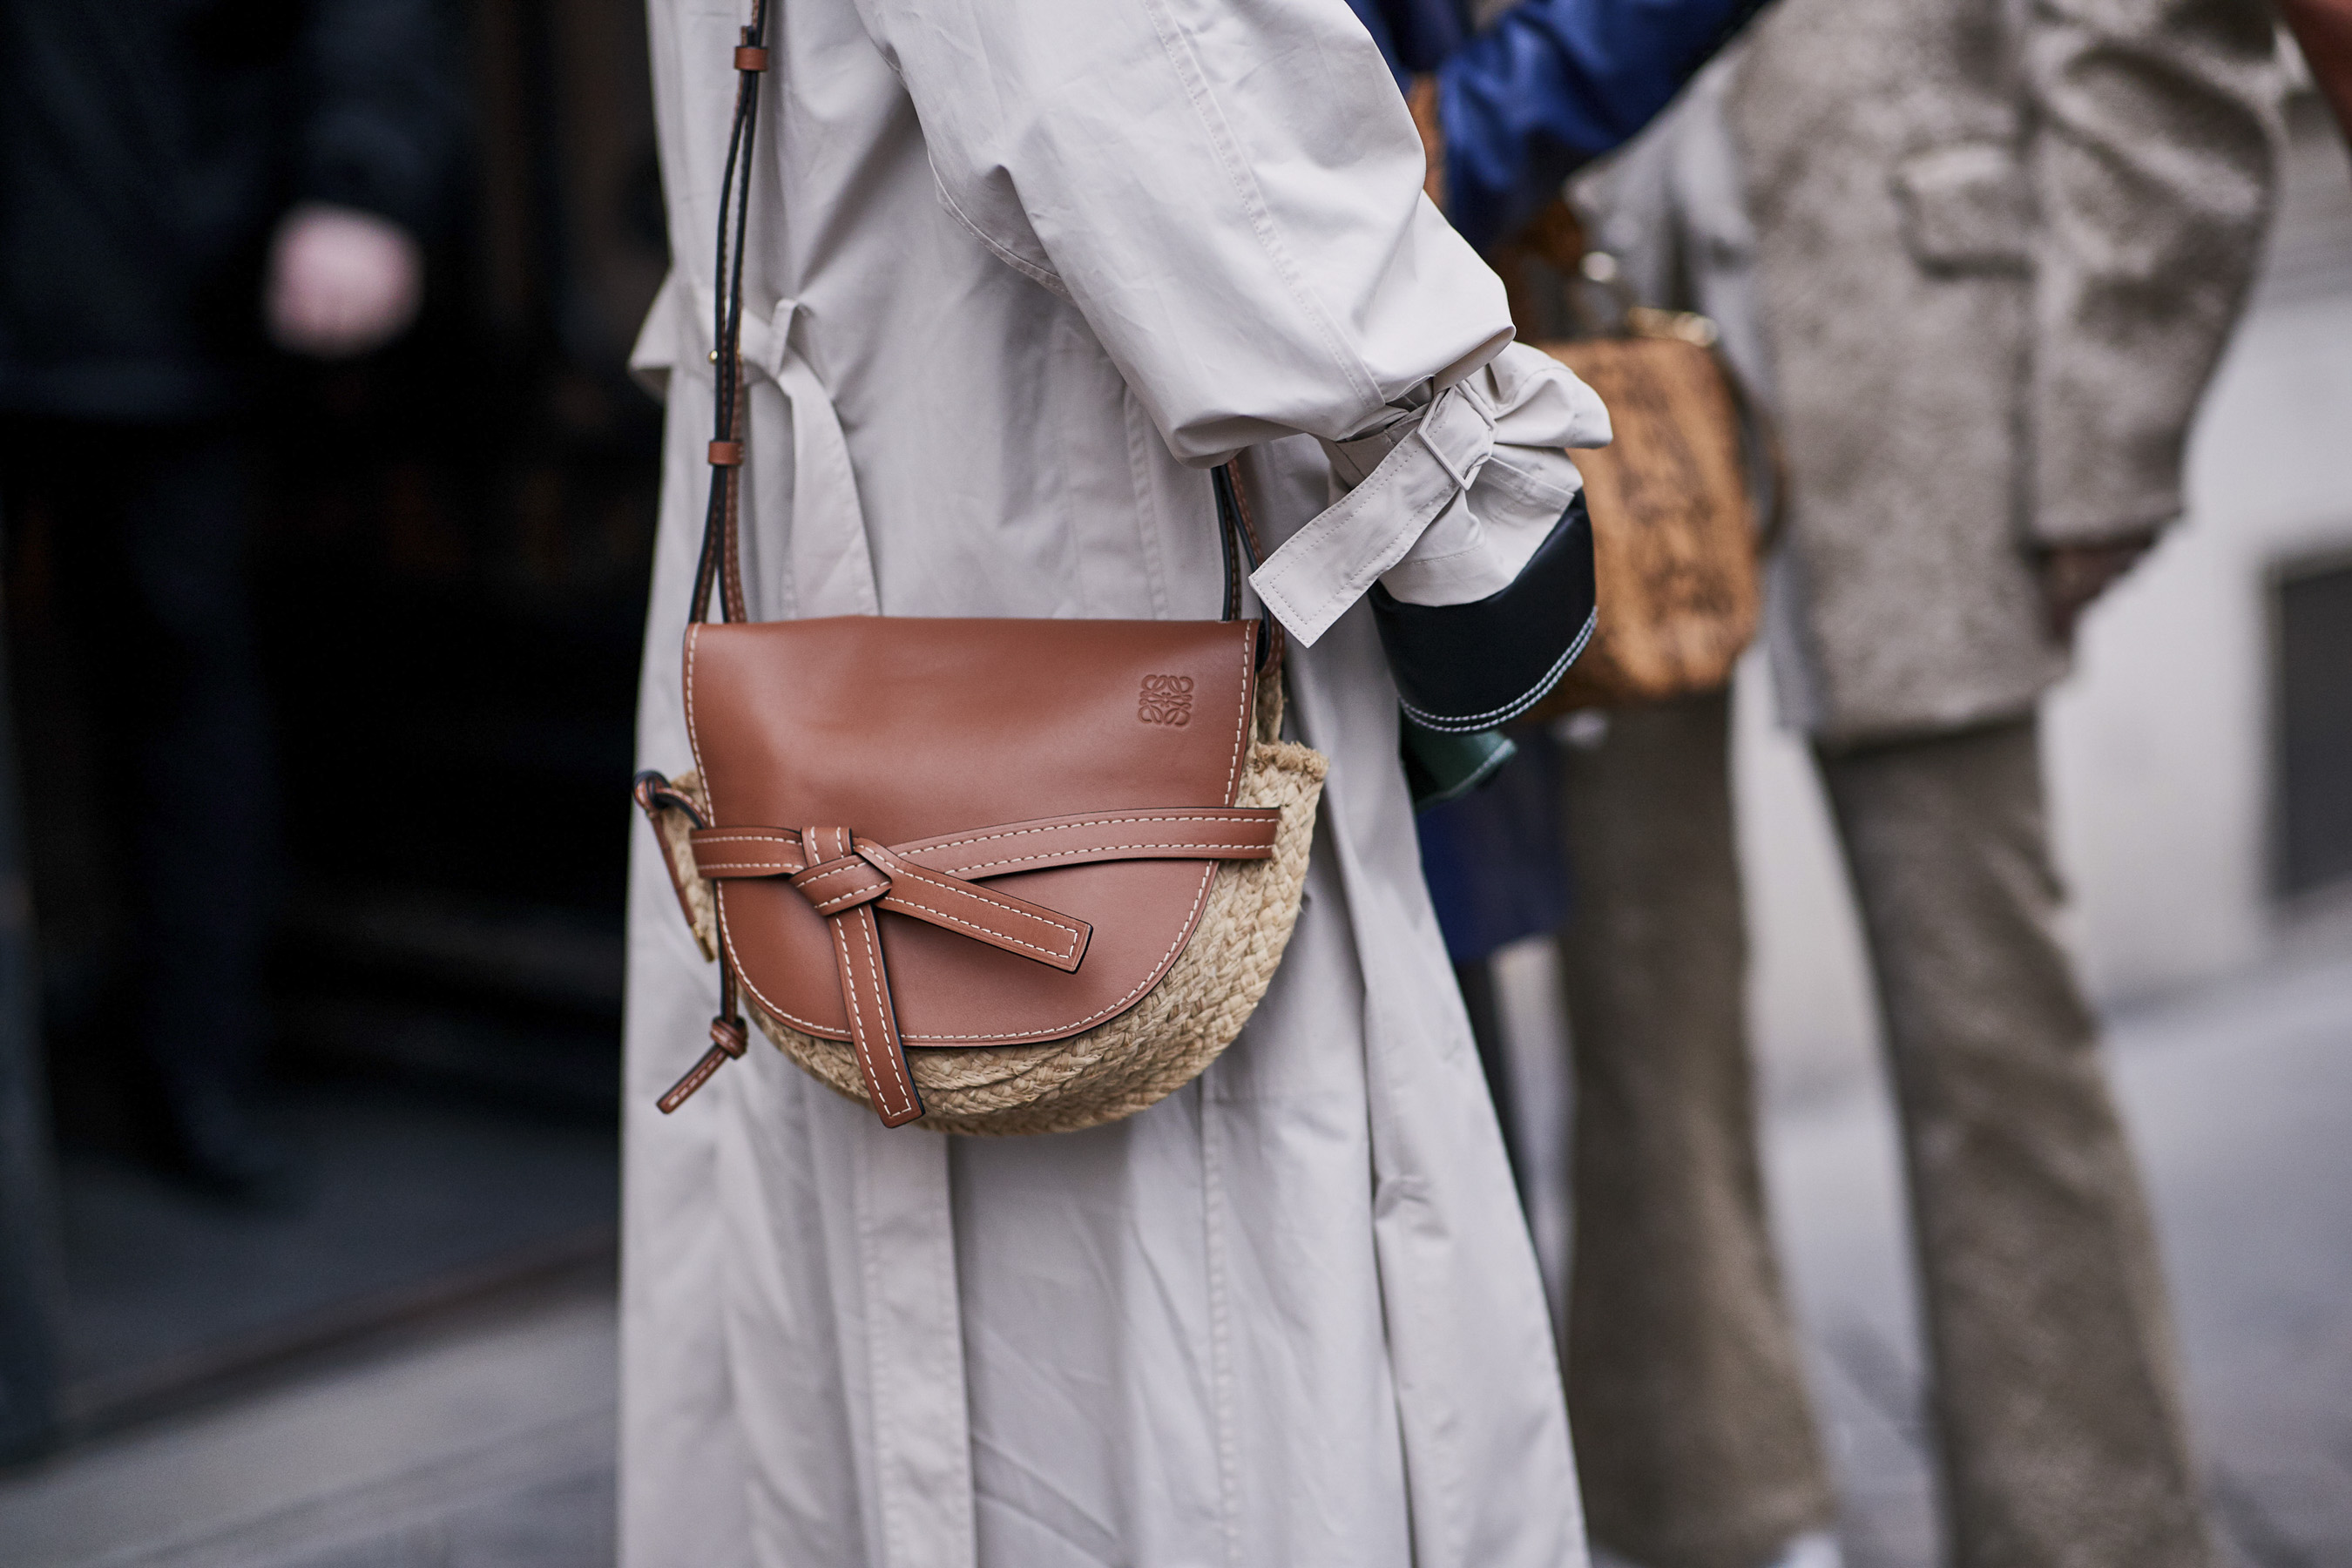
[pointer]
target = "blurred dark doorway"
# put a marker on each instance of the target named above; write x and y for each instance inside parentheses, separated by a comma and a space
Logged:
(454, 588)
(450, 573)
(2313, 643)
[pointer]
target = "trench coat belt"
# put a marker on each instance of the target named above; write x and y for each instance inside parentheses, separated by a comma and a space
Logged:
(904, 1242)
(831, 568)
(828, 568)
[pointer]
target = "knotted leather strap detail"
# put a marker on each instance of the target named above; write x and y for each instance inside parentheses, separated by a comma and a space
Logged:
(871, 874)
(847, 879)
(846, 899)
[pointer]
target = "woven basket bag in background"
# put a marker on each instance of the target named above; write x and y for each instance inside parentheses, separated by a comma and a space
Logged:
(1674, 540)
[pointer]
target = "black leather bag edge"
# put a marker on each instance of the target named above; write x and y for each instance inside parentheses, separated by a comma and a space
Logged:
(1465, 668)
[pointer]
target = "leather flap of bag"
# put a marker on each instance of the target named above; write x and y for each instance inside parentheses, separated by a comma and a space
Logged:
(903, 730)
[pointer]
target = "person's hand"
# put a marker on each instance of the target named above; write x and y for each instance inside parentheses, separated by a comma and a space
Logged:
(342, 281)
(2074, 574)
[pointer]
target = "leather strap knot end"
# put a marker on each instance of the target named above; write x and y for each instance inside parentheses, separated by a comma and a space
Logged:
(728, 1040)
(843, 886)
(714, 1059)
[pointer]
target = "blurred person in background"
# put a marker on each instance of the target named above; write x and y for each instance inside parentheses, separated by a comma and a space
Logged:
(183, 185)
(1512, 98)
(1986, 258)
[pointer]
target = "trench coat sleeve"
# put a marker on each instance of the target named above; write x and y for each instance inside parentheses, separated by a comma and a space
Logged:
(1230, 192)
(2151, 162)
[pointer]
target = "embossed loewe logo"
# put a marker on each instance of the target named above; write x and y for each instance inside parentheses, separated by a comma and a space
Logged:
(1165, 700)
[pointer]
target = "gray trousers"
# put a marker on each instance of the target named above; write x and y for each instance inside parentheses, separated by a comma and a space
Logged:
(2055, 1401)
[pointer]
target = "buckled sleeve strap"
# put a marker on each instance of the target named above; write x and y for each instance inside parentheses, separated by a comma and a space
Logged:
(1331, 562)
(1447, 506)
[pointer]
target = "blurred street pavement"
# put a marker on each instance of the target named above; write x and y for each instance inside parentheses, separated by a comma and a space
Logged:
(2240, 1101)
(488, 1442)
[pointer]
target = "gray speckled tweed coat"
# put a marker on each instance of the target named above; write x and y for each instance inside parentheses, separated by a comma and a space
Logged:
(1998, 248)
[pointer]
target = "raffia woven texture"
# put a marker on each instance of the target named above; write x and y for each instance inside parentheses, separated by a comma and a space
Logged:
(1673, 540)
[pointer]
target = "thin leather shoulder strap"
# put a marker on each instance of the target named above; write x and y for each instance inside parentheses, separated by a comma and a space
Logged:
(721, 553)
(1238, 536)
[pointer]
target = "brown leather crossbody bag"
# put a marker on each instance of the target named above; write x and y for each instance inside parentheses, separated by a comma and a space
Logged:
(1006, 876)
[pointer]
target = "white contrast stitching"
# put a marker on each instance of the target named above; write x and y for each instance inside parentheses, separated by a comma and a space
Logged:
(1237, 848)
(1108, 850)
(694, 743)
(999, 935)
(1466, 722)
(825, 1030)
(1229, 814)
(882, 1004)
(1058, 922)
(901, 901)
(852, 896)
(1240, 727)
(991, 931)
(850, 1003)
(848, 976)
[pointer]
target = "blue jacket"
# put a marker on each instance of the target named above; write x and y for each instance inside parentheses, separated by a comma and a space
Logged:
(1550, 85)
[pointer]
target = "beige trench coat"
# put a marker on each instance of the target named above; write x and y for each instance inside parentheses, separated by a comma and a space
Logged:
(1018, 272)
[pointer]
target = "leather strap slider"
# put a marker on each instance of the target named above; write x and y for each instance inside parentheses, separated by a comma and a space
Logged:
(726, 454)
(729, 1035)
(751, 57)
